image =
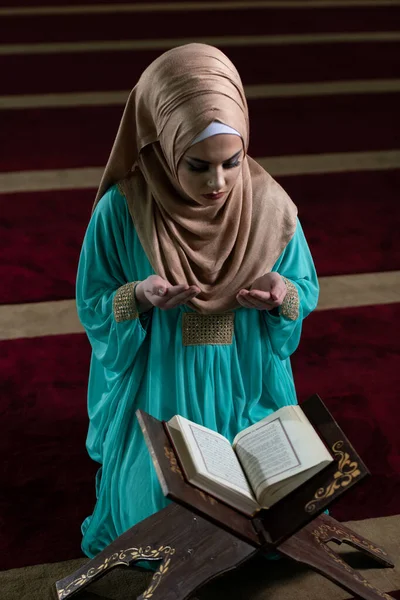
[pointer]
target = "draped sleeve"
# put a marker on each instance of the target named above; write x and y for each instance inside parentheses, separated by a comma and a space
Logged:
(297, 267)
(105, 289)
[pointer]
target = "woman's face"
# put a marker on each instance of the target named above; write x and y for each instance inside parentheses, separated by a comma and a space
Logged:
(209, 170)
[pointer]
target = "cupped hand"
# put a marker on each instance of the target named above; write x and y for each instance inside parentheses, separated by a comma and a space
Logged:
(156, 291)
(266, 293)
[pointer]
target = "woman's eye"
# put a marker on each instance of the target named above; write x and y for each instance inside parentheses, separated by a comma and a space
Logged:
(197, 169)
(232, 165)
(205, 168)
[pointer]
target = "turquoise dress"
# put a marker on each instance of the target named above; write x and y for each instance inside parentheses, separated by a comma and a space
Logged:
(142, 363)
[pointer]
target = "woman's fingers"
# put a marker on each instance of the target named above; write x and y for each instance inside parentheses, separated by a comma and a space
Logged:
(177, 295)
(274, 301)
(162, 291)
(261, 296)
(242, 301)
(256, 299)
(247, 301)
(183, 298)
(156, 285)
(164, 295)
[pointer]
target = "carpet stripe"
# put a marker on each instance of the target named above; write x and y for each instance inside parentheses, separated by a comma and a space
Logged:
(162, 7)
(56, 179)
(244, 23)
(115, 98)
(340, 162)
(38, 319)
(317, 125)
(44, 73)
(366, 289)
(232, 41)
(60, 317)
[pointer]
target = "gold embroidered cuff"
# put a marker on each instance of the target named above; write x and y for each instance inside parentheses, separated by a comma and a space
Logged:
(124, 304)
(291, 303)
(198, 329)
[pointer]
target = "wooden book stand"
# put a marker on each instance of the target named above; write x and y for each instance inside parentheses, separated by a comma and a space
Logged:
(198, 538)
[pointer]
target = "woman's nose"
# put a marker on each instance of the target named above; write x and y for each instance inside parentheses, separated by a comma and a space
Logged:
(216, 180)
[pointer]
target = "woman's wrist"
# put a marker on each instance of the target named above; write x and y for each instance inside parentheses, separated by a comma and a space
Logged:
(142, 304)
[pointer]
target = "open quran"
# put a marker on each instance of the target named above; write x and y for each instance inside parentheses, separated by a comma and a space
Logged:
(265, 462)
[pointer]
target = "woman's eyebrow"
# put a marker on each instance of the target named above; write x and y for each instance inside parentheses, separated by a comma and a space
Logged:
(205, 162)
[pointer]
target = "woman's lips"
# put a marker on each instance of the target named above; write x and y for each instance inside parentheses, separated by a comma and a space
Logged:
(214, 196)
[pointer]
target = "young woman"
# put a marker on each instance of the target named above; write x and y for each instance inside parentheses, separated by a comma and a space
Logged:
(193, 282)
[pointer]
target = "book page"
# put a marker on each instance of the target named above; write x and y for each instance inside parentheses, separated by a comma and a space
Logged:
(279, 447)
(266, 453)
(218, 457)
(210, 463)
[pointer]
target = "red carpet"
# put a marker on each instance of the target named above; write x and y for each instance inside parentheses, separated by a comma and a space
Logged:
(350, 357)
(349, 219)
(53, 73)
(71, 137)
(274, 21)
(46, 478)
(40, 239)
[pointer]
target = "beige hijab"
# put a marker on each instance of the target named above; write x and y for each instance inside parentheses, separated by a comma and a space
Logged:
(220, 246)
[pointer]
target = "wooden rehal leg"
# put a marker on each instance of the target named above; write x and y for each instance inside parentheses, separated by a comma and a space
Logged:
(332, 530)
(193, 551)
(309, 546)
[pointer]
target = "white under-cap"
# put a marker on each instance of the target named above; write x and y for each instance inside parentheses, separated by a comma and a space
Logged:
(214, 128)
